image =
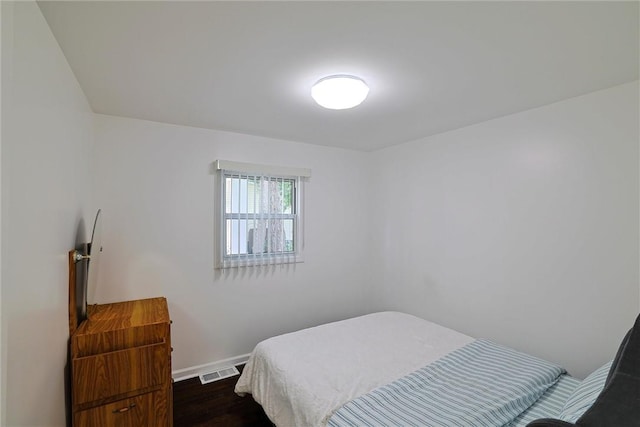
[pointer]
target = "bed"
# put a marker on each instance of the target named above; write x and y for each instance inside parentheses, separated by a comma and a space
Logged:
(395, 369)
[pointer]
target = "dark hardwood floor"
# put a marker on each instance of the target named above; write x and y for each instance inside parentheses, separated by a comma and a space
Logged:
(215, 404)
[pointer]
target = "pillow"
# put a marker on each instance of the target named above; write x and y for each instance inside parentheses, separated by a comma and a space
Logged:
(585, 394)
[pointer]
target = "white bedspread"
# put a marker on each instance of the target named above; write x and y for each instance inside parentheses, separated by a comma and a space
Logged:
(302, 378)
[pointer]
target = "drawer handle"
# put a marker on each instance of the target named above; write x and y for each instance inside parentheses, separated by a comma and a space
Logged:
(125, 409)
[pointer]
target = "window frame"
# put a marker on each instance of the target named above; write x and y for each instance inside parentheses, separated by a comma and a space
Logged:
(226, 169)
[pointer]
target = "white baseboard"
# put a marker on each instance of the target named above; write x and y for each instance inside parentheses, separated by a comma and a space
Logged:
(194, 371)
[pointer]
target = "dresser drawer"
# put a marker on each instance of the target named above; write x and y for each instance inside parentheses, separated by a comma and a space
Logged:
(111, 374)
(146, 410)
(118, 339)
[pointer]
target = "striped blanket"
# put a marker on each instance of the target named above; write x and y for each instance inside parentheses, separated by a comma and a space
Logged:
(480, 384)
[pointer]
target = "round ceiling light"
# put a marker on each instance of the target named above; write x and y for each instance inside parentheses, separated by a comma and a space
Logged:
(339, 92)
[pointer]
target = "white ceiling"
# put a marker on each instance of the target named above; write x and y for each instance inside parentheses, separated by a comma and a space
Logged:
(432, 66)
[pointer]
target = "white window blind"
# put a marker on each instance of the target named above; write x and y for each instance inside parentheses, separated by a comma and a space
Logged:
(260, 215)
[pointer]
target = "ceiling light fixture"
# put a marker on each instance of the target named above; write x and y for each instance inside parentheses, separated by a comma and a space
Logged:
(339, 92)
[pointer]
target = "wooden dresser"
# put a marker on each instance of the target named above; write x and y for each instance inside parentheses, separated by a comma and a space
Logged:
(121, 366)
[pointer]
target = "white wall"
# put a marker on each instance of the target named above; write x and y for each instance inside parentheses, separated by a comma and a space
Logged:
(46, 155)
(156, 188)
(6, 42)
(522, 229)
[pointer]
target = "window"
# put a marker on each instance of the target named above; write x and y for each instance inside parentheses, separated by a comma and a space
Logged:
(260, 218)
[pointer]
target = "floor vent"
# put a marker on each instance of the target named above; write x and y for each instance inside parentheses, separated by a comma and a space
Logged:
(220, 374)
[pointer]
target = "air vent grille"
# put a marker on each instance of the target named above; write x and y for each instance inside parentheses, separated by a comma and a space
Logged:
(219, 374)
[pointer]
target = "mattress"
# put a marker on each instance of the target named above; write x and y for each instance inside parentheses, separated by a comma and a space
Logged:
(302, 378)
